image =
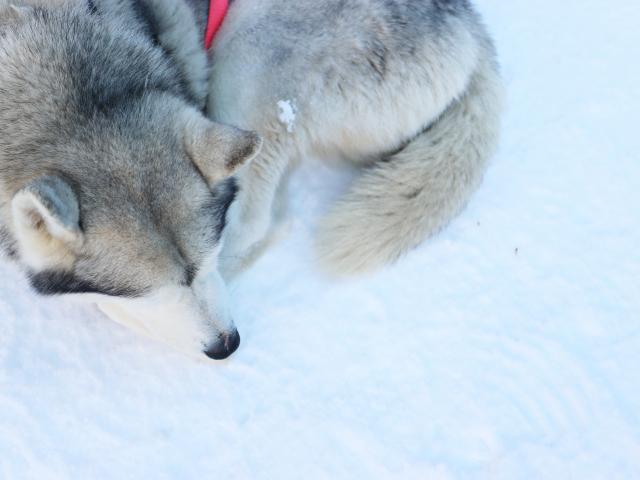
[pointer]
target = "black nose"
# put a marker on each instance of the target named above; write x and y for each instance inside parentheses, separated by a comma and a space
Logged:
(225, 346)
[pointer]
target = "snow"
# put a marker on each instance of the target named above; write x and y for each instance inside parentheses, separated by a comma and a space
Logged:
(506, 347)
(287, 114)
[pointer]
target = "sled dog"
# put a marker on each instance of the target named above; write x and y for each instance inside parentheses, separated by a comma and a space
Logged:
(138, 170)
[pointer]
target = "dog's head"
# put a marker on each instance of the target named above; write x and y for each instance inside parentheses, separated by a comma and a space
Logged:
(130, 216)
(113, 188)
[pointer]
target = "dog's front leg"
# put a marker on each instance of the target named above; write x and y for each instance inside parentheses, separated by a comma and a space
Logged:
(251, 216)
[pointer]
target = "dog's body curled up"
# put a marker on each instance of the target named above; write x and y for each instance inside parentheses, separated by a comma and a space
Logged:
(114, 186)
(407, 89)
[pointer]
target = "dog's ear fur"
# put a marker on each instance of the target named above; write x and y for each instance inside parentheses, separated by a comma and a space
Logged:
(219, 150)
(46, 222)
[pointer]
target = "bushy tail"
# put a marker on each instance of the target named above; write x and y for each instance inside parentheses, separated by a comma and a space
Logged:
(405, 198)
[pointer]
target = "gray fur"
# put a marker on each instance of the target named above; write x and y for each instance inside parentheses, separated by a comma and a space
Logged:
(365, 78)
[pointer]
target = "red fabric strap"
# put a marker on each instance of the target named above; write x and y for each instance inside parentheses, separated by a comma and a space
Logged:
(217, 11)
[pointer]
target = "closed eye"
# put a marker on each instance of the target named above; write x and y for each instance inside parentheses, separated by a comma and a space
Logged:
(57, 283)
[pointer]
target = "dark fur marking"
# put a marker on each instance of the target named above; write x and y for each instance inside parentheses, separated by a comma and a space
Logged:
(243, 152)
(146, 17)
(414, 194)
(388, 156)
(57, 283)
(190, 274)
(377, 58)
(7, 244)
(223, 195)
(92, 7)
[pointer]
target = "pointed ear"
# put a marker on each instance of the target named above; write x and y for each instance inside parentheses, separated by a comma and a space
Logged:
(46, 221)
(219, 150)
(11, 13)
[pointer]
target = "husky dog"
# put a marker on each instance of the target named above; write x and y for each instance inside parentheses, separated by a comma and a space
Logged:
(114, 186)
(406, 89)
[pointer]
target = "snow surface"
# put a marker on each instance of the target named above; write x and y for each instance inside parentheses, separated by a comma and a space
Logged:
(507, 348)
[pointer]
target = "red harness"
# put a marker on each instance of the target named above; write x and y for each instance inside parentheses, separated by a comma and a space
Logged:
(217, 11)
